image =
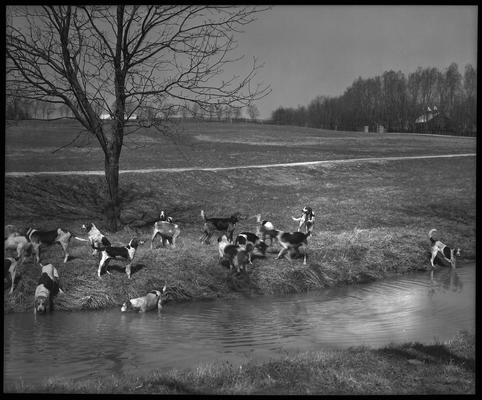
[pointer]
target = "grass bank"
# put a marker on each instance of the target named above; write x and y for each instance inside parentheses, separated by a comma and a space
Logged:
(372, 220)
(411, 368)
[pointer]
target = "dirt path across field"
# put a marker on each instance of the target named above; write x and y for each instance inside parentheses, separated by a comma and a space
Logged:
(293, 164)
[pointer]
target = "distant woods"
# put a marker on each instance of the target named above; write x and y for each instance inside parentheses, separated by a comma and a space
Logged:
(395, 102)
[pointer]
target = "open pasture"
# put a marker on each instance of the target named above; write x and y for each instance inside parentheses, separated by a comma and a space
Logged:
(40, 146)
(372, 218)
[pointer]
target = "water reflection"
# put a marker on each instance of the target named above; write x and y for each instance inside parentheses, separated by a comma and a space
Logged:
(446, 279)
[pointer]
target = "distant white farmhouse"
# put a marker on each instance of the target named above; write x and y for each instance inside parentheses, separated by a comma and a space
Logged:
(108, 116)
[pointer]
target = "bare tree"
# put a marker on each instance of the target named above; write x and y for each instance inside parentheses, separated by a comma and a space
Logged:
(253, 111)
(237, 113)
(84, 56)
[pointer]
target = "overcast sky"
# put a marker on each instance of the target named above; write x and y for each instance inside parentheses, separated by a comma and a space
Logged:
(313, 50)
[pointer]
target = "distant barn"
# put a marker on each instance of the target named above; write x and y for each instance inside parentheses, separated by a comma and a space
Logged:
(434, 122)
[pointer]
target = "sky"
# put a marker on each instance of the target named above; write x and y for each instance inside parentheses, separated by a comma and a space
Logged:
(313, 50)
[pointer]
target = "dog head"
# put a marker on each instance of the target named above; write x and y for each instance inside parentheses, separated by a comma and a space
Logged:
(41, 304)
(126, 306)
(241, 239)
(457, 252)
(162, 216)
(86, 227)
(223, 239)
(161, 296)
(308, 212)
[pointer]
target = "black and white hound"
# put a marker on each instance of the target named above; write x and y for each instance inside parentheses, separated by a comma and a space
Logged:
(98, 241)
(168, 230)
(438, 247)
(150, 301)
(213, 224)
(48, 238)
(48, 287)
(245, 238)
(123, 253)
(307, 220)
(292, 241)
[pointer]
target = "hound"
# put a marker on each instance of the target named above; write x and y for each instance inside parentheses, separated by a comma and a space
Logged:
(438, 247)
(48, 287)
(237, 257)
(244, 238)
(10, 265)
(168, 230)
(126, 252)
(289, 241)
(48, 238)
(307, 220)
(19, 243)
(212, 225)
(150, 301)
(98, 241)
(265, 229)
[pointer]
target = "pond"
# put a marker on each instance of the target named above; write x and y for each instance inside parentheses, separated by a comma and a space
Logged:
(414, 307)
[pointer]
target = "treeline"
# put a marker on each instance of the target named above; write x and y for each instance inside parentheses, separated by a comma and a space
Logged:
(393, 101)
(19, 108)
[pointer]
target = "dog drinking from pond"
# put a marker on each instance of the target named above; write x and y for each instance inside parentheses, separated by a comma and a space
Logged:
(437, 247)
(47, 289)
(150, 301)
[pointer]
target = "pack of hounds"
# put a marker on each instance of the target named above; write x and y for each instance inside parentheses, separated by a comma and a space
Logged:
(234, 252)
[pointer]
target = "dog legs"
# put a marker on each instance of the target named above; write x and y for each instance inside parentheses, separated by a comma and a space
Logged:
(173, 240)
(128, 270)
(36, 252)
(104, 261)
(282, 252)
(65, 247)
(153, 236)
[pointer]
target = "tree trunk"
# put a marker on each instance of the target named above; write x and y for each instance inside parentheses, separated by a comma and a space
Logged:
(112, 205)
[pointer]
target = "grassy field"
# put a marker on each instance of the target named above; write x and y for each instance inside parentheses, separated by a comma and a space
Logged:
(372, 217)
(34, 146)
(412, 368)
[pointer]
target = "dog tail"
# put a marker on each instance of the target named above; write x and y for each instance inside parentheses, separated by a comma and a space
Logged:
(29, 231)
(203, 216)
(82, 240)
(295, 219)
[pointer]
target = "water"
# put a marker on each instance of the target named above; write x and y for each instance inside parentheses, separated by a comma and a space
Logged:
(92, 344)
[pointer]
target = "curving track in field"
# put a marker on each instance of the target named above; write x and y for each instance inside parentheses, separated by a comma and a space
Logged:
(292, 164)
